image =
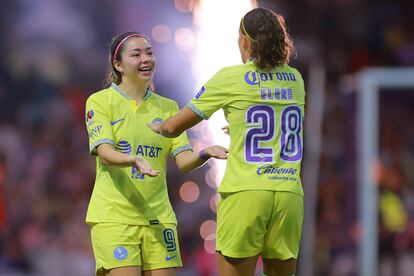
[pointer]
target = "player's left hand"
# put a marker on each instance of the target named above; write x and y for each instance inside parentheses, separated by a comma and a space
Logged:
(155, 127)
(144, 167)
(217, 152)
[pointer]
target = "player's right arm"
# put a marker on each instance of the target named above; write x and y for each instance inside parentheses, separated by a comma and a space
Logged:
(177, 124)
(101, 140)
(211, 97)
(110, 157)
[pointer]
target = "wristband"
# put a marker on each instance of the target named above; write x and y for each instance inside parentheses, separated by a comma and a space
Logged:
(202, 155)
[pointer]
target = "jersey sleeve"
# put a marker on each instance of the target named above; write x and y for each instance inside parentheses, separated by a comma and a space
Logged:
(211, 97)
(180, 143)
(98, 124)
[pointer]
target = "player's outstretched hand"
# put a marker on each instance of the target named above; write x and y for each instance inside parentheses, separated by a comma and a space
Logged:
(154, 126)
(144, 167)
(226, 129)
(217, 152)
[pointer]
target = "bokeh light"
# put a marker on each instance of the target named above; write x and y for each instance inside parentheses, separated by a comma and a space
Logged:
(207, 228)
(161, 33)
(211, 177)
(210, 244)
(183, 5)
(189, 191)
(184, 39)
(213, 202)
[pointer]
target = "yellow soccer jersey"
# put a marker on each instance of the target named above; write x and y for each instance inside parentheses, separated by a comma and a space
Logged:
(122, 194)
(265, 111)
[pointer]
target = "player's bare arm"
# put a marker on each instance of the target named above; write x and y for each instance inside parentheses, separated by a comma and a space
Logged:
(190, 160)
(177, 124)
(110, 156)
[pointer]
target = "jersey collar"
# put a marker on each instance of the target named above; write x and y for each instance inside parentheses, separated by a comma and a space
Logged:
(125, 95)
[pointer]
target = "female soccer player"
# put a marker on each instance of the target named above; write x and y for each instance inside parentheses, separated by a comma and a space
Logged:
(133, 226)
(261, 207)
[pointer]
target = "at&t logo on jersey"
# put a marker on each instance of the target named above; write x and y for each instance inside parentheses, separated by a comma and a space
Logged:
(120, 253)
(142, 150)
(123, 147)
(256, 78)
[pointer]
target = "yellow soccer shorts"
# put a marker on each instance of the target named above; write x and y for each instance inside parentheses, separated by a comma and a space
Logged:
(259, 222)
(149, 246)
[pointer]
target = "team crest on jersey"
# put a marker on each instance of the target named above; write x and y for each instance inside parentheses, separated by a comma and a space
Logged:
(120, 253)
(158, 121)
(89, 116)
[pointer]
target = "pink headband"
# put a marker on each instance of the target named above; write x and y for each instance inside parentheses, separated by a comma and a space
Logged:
(123, 40)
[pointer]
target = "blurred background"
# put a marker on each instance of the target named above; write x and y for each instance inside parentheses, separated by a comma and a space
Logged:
(54, 55)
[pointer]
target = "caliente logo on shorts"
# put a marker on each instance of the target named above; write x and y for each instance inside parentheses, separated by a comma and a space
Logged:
(120, 253)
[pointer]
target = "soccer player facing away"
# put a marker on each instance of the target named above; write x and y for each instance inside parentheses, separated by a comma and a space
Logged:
(260, 211)
(133, 226)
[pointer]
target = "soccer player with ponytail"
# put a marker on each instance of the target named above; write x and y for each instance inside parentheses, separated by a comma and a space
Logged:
(260, 212)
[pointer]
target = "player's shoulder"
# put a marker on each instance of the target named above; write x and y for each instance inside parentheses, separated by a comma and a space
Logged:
(291, 69)
(100, 96)
(233, 69)
(227, 74)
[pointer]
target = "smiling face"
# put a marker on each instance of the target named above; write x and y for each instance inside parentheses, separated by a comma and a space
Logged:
(137, 62)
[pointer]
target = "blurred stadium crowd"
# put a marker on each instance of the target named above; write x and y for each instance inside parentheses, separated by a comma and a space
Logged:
(53, 55)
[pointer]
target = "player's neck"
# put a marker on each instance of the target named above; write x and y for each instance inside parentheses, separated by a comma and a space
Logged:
(246, 56)
(133, 90)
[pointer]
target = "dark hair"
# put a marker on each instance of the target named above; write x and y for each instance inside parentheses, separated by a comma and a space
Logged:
(113, 74)
(271, 44)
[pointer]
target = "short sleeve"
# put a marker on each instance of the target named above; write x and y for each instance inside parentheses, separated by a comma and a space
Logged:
(98, 124)
(211, 97)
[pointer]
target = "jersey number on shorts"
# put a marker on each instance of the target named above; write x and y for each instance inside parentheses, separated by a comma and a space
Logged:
(262, 122)
(169, 239)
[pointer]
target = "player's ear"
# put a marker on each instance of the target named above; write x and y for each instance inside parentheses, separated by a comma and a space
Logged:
(118, 66)
(245, 42)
